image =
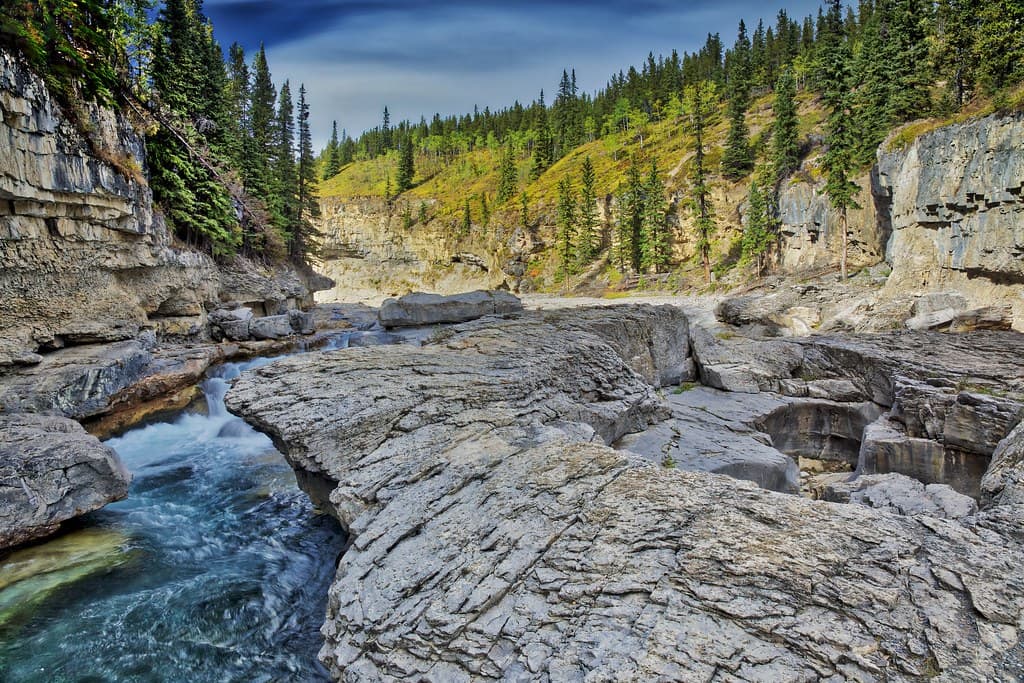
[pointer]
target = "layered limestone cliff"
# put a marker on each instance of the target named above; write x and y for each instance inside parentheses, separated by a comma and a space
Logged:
(370, 255)
(84, 255)
(956, 208)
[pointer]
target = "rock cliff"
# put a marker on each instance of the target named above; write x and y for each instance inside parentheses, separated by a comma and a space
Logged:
(84, 255)
(957, 212)
(370, 255)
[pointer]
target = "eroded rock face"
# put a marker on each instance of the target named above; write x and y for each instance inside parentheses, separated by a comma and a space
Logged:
(957, 212)
(902, 495)
(419, 308)
(496, 537)
(50, 472)
(84, 256)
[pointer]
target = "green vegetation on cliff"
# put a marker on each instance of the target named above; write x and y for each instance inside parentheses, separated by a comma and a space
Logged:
(221, 139)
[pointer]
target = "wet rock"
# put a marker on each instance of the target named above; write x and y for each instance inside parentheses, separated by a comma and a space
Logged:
(430, 309)
(51, 471)
(902, 495)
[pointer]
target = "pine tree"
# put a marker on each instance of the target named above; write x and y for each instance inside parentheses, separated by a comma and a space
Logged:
(385, 132)
(757, 233)
(630, 219)
(406, 167)
(872, 103)
(544, 149)
(485, 210)
(332, 155)
(700, 103)
(785, 129)
(656, 246)
(422, 216)
(508, 176)
(958, 28)
(305, 238)
(737, 160)
(256, 171)
(238, 106)
(834, 77)
(999, 49)
(908, 63)
(567, 226)
(589, 242)
(524, 209)
(285, 202)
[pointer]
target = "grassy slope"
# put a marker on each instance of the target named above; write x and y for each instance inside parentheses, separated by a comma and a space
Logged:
(447, 186)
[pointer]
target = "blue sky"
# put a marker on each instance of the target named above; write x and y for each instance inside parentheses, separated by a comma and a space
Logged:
(355, 56)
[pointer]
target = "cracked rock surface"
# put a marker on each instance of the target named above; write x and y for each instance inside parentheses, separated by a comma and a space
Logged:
(51, 471)
(495, 536)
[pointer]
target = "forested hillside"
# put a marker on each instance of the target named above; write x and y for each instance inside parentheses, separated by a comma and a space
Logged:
(815, 95)
(230, 156)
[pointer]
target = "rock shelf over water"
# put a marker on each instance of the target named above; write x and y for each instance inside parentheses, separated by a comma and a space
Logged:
(496, 536)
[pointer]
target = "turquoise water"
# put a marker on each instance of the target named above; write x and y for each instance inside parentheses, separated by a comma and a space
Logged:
(215, 568)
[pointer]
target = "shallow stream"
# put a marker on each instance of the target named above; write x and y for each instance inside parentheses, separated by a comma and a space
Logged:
(215, 568)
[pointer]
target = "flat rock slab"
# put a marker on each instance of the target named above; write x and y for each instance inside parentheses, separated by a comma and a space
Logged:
(714, 431)
(51, 470)
(431, 309)
(495, 537)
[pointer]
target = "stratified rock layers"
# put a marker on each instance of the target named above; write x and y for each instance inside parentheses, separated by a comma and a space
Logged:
(495, 537)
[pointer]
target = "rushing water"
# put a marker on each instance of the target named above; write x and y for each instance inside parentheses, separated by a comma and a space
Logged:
(215, 568)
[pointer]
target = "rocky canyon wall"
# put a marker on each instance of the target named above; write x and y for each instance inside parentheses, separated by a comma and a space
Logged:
(956, 209)
(85, 256)
(370, 255)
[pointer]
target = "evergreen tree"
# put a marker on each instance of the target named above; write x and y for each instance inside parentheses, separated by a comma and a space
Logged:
(544, 149)
(631, 219)
(757, 233)
(785, 129)
(422, 216)
(524, 209)
(999, 48)
(385, 132)
(485, 210)
(872, 102)
(348, 149)
(256, 171)
(958, 22)
(285, 203)
(332, 155)
(406, 167)
(737, 160)
(238, 106)
(508, 176)
(834, 77)
(700, 103)
(304, 241)
(656, 245)
(908, 64)
(567, 225)
(589, 241)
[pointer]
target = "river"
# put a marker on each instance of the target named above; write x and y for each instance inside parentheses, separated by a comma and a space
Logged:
(215, 568)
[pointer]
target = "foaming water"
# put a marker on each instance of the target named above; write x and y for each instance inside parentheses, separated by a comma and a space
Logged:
(215, 568)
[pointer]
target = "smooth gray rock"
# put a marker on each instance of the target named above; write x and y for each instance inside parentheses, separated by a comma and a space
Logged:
(271, 327)
(714, 431)
(430, 309)
(51, 471)
(902, 495)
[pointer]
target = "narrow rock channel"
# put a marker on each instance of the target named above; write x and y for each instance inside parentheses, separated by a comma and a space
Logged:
(216, 566)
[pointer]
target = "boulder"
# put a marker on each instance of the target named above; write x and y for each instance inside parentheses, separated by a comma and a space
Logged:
(302, 322)
(902, 495)
(271, 327)
(51, 471)
(430, 309)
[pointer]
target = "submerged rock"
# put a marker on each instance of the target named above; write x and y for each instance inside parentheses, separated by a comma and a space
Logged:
(430, 309)
(495, 536)
(51, 471)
